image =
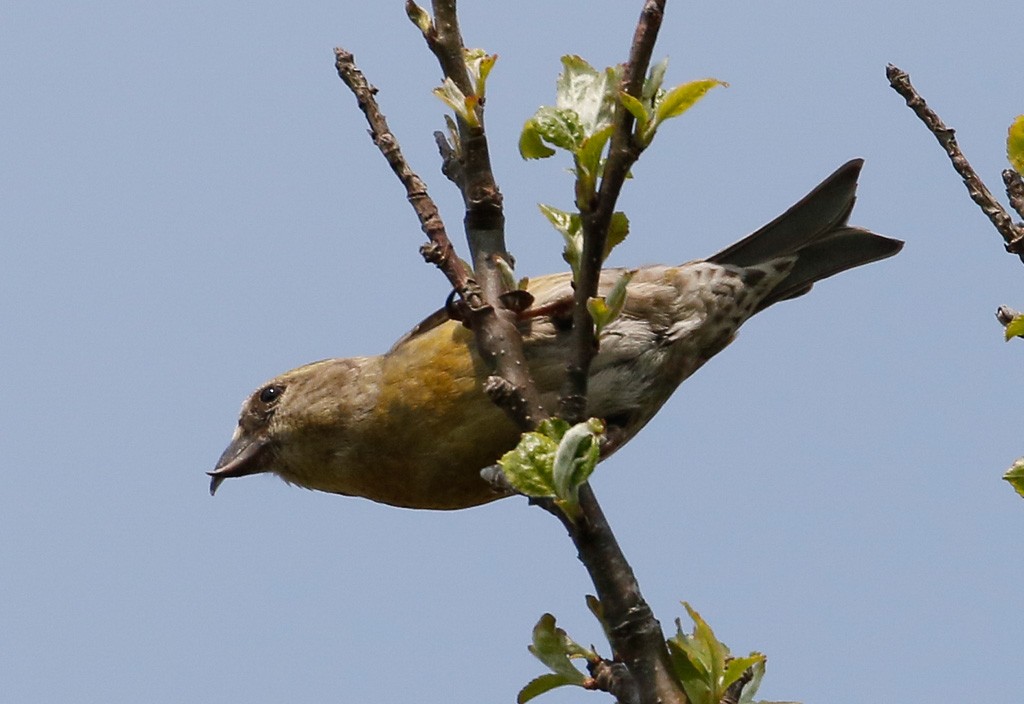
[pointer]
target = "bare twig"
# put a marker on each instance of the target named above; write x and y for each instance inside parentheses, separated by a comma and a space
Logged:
(596, 216)
(497, 337)
(634, 632)
(1013, 233)
(440, 250)
(616, 679)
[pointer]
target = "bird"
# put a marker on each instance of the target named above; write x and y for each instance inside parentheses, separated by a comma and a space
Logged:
(413, 427)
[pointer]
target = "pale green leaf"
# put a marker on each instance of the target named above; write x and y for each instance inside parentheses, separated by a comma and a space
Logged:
(479, 64)
(559, 127)
(528, 465)
(561, 220)
(1015, 328)
(531, 146)
(576, 457)
(588, 92)
(655, 77)
(599, 313)
(507, 274)
(618, 229)
(464, 106)
(1015, 475)
(571, 228)
(637, 109)
(616, 298)
(540, 685)
(1015, 144)
(588, 158)
(553, 647)
(682, 98)
(605, 310)
(736, 667)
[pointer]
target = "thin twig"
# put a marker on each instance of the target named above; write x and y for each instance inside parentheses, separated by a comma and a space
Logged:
(440, 250)
(623, 152)
(497, 337)
(1013, 233)
(497, 334)
(634, 632)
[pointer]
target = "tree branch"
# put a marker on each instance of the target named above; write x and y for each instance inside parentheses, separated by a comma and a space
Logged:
(1013, 233)
(498, 339)
(635, 634)
(439, 251)
(596, 216)
(1014, 190)
(497, 334)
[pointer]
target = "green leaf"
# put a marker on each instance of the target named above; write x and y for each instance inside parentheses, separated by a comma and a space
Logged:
(751, 687)
(703, 666)
(587, 92)
(715, 650)
(507, 274)
(674, 103)
(588, 161)
(618, 229)
(693, 679)
(540, 685)
(559, 127)
(464, 106)
(1015, 144)
(531, 146)
(655, 77)
(1015, 328)
(735, 668)
(553, 647)
(637, 109)
(577, 456)
(607, 309)
(597, 608)
(479, 64)
(571, 227)
(1015, 475)
(528, 465)
(682, 98)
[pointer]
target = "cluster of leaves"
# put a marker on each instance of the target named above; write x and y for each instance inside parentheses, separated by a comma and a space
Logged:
(554, 461)
(479, 63)
(702, 663)
(581, 123)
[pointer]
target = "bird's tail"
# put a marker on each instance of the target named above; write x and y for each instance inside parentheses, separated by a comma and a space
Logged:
(814, 230)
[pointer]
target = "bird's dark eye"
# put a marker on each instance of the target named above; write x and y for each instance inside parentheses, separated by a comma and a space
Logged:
(271, 393)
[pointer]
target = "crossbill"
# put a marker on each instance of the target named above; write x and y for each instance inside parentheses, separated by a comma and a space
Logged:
(413, 428)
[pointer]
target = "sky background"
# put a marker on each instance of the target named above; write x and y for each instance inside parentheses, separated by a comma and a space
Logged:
(190, 205)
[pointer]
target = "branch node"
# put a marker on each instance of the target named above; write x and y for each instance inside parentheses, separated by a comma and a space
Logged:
(614, 678)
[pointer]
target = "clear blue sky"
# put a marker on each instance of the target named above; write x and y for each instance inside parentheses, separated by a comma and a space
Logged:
(190, 205)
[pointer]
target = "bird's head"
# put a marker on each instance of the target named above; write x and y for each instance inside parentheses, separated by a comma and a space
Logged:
(297, 423)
